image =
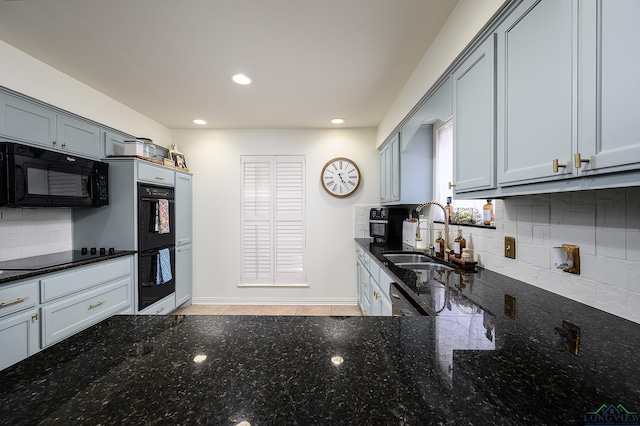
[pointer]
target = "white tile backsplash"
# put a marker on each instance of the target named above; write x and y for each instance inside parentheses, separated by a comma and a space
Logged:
(26, 232)
(361, 220)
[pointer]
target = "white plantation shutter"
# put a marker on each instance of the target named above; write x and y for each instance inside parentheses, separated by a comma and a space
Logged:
(273, 251)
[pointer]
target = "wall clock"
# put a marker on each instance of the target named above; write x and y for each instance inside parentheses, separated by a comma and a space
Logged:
(340, 177)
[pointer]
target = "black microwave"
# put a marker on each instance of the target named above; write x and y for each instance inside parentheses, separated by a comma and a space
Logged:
(36, 177)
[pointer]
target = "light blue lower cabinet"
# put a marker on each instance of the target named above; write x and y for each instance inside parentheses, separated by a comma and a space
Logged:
(183, 275)
(70, 315)
(20, 336)
(373, 297)
(162, 307)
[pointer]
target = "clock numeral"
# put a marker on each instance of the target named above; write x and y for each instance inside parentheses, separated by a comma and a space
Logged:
(351, 183)
(334, 188)
(334, 166)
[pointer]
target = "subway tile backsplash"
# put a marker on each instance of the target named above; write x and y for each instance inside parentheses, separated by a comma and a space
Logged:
(604, 223)
(26, 232)
(361, 220)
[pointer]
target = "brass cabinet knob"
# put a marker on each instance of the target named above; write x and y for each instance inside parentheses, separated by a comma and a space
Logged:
(578, 160)
(556, 165)
(451, 185)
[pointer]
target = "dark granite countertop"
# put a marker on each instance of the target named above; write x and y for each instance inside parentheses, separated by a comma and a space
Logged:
(484, 359)
(10, 276)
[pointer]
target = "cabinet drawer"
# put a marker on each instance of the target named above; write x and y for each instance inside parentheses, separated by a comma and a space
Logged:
(155, 174)
(16, 297)
(163, 307)
(83, 278)
(66, 317)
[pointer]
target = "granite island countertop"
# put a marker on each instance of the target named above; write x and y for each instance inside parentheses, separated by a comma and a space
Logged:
(440, 369)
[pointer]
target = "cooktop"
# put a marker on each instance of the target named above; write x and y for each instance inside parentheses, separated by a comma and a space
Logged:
(54, 259)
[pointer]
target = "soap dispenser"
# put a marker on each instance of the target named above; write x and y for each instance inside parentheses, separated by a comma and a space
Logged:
(458, 244)
(439, 245)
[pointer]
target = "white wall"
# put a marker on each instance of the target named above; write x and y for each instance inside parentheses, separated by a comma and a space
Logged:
(27, 75)
(466, 20)
(214, 158)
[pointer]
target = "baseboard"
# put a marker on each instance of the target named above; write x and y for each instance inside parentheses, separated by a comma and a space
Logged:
(272, 301)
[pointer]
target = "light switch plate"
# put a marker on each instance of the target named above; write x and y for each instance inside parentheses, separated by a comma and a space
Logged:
(510, 247)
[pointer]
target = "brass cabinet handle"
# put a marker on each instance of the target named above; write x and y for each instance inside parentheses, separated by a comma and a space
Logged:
(55, 142)
(64, 145)
(35, 317)
(95, 305)
(451, 185)
(160, 310)
(578, 160)
(556, 165)
(13, 302)
(160, 178)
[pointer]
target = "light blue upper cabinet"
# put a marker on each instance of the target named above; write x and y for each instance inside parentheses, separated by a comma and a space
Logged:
(39, 124)
(78, 136)
(26, 121)
(609, 88)
(534, 92)
(390, 170)
(474, 143)
(436, 107)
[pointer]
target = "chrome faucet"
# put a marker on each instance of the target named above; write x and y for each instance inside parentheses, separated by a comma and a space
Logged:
(446, 224)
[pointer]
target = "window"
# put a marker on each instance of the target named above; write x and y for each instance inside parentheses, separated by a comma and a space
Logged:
(272, 217)
(444, 172)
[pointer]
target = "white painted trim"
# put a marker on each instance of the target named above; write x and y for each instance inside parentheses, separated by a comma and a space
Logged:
(272, 301)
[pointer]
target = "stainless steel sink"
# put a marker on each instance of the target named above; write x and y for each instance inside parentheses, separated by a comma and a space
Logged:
(396, 258)
(424, 266)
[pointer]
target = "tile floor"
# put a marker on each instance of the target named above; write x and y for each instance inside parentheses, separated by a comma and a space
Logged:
(302, 310)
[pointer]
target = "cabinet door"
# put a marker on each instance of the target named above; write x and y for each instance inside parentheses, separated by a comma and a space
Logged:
(534, 91)
(390, 170)
(114, 143)
(609, 129)
(384, 188)
(28, 122)
(78, 136)
(363, 288)
(183, 196)
(19, 336)
(473, 120)
(395, 168)
(183, 274)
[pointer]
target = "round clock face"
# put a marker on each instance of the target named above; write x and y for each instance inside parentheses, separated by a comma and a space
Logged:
(340, 177)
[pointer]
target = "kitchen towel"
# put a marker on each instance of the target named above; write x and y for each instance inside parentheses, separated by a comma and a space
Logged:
(163, 267)
(162, 216)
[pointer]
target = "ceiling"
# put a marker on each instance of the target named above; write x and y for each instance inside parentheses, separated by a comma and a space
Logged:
(311, 60)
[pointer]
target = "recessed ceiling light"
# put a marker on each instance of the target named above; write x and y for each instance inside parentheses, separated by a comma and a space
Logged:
(242, 79)
(198, 121)
(337, 120)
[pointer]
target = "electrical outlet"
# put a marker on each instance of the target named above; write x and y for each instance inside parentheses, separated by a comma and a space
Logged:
(510, 247)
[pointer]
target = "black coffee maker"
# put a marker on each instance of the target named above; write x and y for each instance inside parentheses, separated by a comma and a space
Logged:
(385, 224)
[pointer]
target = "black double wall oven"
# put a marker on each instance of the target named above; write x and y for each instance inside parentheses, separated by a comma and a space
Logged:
(156, 242)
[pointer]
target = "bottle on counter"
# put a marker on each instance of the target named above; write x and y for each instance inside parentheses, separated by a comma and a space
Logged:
(449, 208)
(488, 216)
(458, 244)
(439, 245)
